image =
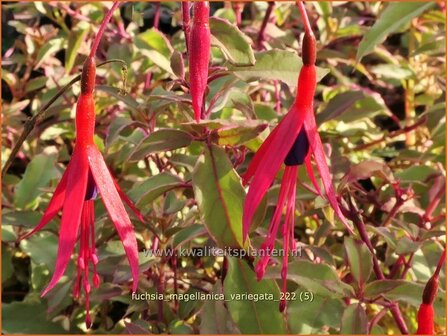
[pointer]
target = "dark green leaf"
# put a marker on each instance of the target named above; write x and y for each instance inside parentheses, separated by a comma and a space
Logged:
(234, 44)
(354, 320)
(275, 65)
(261, 317)
(35, 315)
(395, 15)
(160, 141)
(74, 42)
(360, 260)
(220, 196)
(37, 175)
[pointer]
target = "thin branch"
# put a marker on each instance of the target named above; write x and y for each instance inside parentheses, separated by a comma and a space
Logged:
(268, 13)
(391, 135)
(305, 17)
(157, 15)
(353, 214)
(440, 263)
(102, 28)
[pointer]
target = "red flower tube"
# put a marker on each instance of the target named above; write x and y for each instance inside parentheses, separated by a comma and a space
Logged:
(199, 56)
(86, 174)
(426, 313)
(294, 141)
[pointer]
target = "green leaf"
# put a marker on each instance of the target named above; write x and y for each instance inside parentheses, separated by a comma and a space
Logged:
(352, 106)
(364, 170)
(42, 248)
(74, 42)
(314, 315)
(35, 315)
(405, 291)
(26, 219)
(51, 47)
(360, 260)
(7, 268)
(275, 65)
(177, 64)
(215, 318)
(354, 320)
(37, 175)
(154, 45)
(240, 134)
(154, 187)
(395, 15)
(220, 196)
(188, 233)
(35, 84)
(393, 71)
(161, 141)
(153, 39)
(320, 279)
(118, 94)
(251, 316)
(235, 45)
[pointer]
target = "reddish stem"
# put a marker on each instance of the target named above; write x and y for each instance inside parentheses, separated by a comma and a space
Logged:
(268, 13)
(306, 22)
(102, 29)
(157, 15)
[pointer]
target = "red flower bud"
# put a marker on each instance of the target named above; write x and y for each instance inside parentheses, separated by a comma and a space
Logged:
(309, 49)
(430, 290)
(199, 55)
(88, 76)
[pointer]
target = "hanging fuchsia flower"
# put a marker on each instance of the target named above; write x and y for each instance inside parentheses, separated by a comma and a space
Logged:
(86, 174)
(294, 141)
(199, 55)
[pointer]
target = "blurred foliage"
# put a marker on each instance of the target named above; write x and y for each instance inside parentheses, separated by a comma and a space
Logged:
(380, 106)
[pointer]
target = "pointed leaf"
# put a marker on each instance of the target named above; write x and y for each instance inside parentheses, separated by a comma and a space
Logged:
(360, 260)
(234, 44)
(395, 15)
(275, 65)
(37, 175)
(252, 317)
(161, 141)
(354, 320)
(219, 195)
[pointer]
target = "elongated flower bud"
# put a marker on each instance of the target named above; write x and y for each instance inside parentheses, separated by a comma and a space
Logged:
(430, 290)
(309, 49)
(199, 55)
(88, 76)
(426, 325)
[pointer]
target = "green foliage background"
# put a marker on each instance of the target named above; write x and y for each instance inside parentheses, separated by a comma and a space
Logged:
(380, 107)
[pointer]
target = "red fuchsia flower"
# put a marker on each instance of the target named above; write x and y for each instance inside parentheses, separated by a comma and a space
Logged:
(426, 313)
(199, 56)
(294, 141)
(86, 174)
